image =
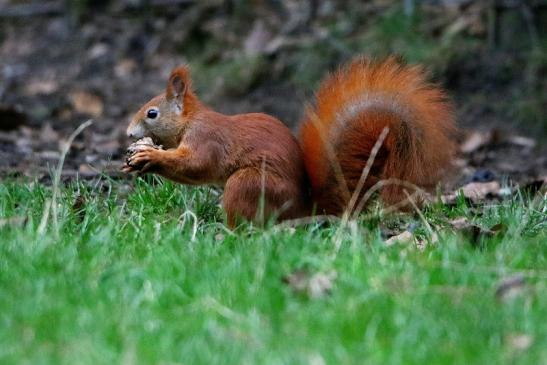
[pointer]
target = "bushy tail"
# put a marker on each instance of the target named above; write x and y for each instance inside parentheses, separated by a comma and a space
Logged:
(352, 107)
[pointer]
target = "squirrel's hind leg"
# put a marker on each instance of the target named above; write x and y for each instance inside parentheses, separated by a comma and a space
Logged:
(255, 196)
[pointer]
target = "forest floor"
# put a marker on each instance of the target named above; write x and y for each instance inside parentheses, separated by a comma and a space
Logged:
(57, 73)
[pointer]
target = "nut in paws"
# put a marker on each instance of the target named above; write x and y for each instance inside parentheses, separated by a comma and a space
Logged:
(140, 155)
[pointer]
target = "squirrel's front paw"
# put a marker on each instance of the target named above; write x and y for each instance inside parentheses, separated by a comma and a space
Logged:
(143, 161)
(137, 161)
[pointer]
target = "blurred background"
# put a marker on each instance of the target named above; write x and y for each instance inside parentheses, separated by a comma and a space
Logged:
(63, 62)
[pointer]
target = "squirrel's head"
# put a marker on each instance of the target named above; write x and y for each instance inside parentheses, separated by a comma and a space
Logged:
(164, 118)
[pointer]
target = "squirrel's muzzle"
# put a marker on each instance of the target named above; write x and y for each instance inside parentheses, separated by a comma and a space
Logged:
(135, 130)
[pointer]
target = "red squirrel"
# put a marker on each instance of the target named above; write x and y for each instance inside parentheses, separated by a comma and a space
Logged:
(266, 172)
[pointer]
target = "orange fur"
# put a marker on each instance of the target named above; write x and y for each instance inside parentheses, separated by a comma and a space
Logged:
(265, 172)
(254, 156)
(352, 107)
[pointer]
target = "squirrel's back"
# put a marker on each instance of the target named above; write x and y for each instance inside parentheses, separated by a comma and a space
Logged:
(352, 108)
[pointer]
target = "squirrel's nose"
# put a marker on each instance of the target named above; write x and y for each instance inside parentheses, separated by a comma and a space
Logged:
(135, 131)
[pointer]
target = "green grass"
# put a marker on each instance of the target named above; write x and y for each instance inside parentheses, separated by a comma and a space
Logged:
(119, 281)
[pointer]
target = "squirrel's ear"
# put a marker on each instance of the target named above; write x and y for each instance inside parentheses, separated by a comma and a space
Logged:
(178, 83)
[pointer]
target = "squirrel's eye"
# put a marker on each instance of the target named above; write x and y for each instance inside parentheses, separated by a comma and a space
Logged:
(152, 113)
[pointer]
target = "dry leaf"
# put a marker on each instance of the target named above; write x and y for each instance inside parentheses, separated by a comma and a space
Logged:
(86, 170)
(86, 103)
(275, 45)
(16, 221)
(459, 223)
(511, 287)
(98, 50)
(316, 359)
(480, 191)
(476, 192)
(314, 286)
(43, 87)
(475, 140)
(405, 237)
(257, 39)
(297, 280)
(125, 68)
(519, 341)
(449, 199)
(522, 141)
(461, 24)
(320, 284)
(475, 232)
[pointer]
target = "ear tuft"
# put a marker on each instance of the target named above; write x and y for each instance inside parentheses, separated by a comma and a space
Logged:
(178, 84)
